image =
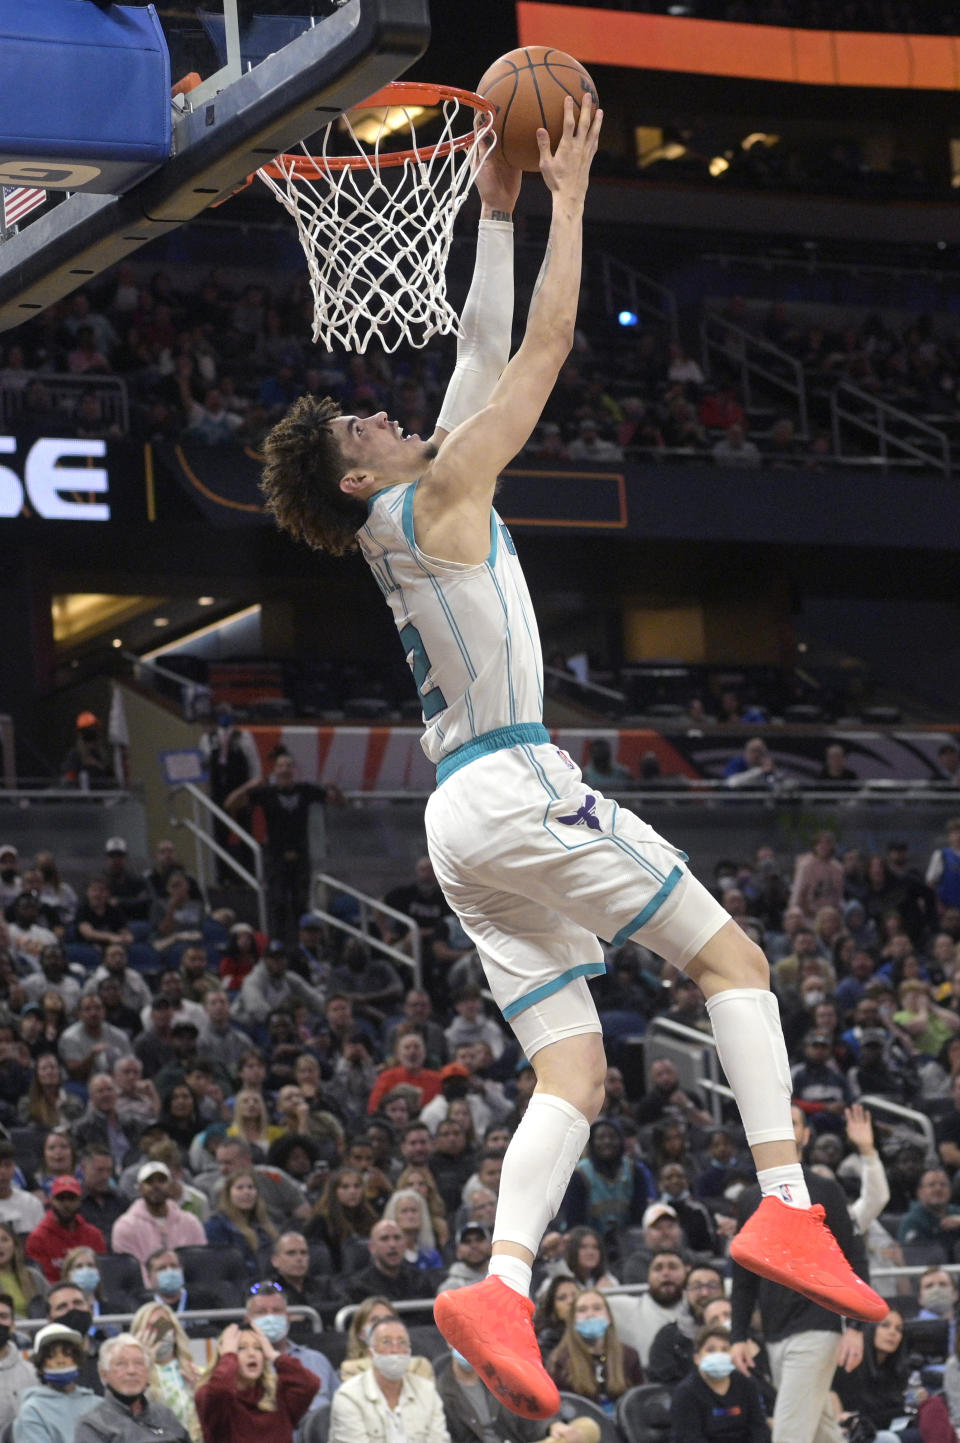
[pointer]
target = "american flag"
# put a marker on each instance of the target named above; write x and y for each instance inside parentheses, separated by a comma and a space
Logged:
(18, 201)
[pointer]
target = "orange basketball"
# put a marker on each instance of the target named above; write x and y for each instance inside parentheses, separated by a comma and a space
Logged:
(528, 86)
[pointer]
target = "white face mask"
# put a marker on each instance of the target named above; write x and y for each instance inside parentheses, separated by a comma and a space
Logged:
(391, 1365)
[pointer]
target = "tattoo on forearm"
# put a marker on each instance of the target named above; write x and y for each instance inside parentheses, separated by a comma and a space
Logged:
(543, 273)
(500, 215)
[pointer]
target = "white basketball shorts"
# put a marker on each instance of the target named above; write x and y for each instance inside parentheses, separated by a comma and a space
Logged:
(537, 866)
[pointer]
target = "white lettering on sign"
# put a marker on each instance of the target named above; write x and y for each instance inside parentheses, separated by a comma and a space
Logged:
(47, 175)
(45, 480)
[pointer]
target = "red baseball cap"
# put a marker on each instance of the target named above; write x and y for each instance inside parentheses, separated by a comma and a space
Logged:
(453, 1069)
(66, 1183)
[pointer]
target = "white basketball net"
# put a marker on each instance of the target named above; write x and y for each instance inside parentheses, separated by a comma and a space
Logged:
(377, 235)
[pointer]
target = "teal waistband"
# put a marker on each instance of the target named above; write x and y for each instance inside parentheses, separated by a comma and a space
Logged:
(530, 732)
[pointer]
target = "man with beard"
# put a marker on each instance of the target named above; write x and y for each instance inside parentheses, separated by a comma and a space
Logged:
(607, 1190)
(371, 983)
(62, 1229)
(671, 1353)
(639, 1320)
(804, 1342)
(285, 804)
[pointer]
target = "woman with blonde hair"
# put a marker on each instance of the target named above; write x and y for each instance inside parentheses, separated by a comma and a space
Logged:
(409, 1211)
(371, 1311)
(251, 1393)
(80, 1268)
(590, 1359)
(422, 1180)
(251, 1121)
(241, 1222)
(24, 1283)
(173, 1373)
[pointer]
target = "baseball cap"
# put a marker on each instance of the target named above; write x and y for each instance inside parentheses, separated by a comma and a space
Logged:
(55, 1333)
(473, 1228)
(453, 1069)
(150, 1169)
(310, 919)
(8, 850)
(655, 1212)
(66, 1183)
(115, 844)
(87, 719)
(31, 1007)
(872, 1034)
(823, 1037)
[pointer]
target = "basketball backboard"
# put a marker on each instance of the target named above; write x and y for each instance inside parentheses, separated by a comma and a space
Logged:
(231, 126)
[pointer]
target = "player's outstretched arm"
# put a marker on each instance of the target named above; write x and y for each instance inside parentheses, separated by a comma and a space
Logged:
(453, 500)
(483, 347)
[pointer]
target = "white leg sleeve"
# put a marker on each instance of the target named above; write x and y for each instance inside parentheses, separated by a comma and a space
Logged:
(746, 1025)
(543, 1152)
(484, 346)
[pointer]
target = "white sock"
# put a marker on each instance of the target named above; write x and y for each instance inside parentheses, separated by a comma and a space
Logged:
(543, 1152)
(512, 1271)
(746, 1025)
(785, 1183)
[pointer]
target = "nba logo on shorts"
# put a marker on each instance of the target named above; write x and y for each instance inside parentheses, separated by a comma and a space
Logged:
(567, 761)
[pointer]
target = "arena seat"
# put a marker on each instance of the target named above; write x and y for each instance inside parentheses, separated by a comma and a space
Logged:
(643, 1414)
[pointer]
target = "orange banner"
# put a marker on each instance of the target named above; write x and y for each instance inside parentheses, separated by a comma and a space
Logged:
(748, 52)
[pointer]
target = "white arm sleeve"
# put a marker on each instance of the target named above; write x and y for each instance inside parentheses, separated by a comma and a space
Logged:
(874, 1192)
(484, 346)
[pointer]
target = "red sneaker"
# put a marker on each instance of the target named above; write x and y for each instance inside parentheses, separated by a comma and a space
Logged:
(794, 1247)
(491, 1325)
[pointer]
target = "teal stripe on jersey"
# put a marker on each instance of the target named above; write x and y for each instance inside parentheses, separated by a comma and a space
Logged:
(495, 741)
(547, 989)
(643, 916)
(494, 530)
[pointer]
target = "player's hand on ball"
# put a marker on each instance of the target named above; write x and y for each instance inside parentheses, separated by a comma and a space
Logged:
(498, 184)
(567, 170)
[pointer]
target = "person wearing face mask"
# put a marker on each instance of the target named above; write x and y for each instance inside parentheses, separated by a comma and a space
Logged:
(590, 1359)
(165, 1282)
(251, 1393)
(388, 1401)
(51, 1411)
(267, 1307)
(473, 1415)
(173, 1373)
(671, 1352)
(127, 1414)
(16, 1374)
(715, 1401)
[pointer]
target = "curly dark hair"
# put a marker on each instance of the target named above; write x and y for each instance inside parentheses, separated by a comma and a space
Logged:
(304, 463)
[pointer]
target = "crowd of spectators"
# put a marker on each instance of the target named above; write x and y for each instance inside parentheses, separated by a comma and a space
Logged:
(196, 1116)
(220, 362)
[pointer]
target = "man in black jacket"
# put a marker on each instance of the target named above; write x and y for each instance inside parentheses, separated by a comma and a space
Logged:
(388, 1274)
(671, 1353)
(804, 1342)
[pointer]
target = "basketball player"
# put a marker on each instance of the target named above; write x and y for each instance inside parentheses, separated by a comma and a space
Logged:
(535, 864)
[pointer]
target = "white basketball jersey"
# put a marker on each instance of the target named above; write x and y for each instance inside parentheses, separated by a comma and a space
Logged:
(469, 632)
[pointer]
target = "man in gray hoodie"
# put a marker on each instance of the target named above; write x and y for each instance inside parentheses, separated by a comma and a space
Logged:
(16, 1374)
(473, 1254)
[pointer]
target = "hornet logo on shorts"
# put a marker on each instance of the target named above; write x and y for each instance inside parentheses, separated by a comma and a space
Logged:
(585, 816)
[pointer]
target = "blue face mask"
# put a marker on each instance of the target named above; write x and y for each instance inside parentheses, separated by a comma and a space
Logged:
(170, 1280)
(461, 1360)
(273, 1326)
(60, 1377)
(717, 1365)
(86, 1278)
(590, 1329)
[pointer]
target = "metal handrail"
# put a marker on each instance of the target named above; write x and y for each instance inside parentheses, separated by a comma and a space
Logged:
(920, 1119)
(412, 959)
(743, 356)
(663, 310)
(884, 412)
(189, 1315)
(207, 843)
(341, 1321)
(585, 686)
(191, 692)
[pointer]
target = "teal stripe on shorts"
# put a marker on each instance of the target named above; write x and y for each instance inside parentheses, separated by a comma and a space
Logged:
(656, 901)
(585, 969)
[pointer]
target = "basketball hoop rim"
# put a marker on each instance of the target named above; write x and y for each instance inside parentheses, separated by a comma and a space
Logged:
(398, 93)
